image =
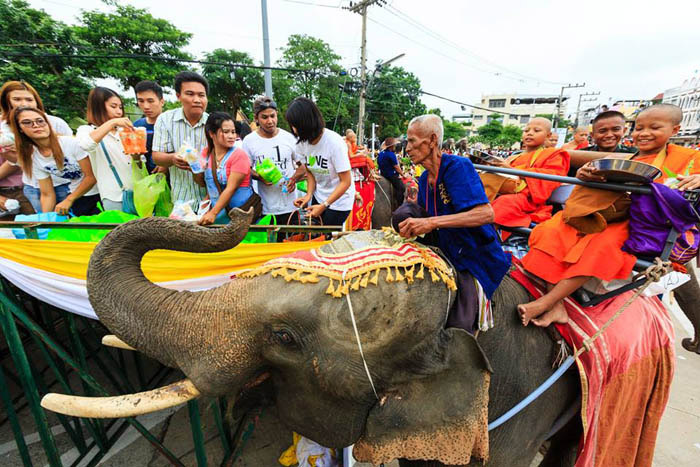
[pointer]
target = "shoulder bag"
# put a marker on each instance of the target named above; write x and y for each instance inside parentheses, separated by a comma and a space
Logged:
(128, 205)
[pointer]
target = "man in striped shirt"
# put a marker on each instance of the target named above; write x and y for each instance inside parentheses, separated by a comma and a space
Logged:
(183, 125)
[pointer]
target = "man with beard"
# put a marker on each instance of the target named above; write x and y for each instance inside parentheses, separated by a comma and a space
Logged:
(277, 145)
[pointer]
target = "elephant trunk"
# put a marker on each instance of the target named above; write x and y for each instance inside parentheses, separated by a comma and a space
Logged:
(202, 333)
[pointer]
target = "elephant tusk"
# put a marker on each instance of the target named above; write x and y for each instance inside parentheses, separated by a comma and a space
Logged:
(128, 405)
(110, 340)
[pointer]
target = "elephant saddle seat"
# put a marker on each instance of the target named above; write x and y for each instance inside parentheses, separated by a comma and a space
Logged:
(625, 375)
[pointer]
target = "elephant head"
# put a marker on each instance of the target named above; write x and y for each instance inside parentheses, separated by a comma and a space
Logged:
(356, 355)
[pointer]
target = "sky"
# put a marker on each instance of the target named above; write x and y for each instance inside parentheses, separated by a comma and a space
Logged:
(623, 49)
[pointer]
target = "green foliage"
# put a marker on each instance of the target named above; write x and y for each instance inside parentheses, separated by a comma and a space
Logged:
(304, 52)
(393, 98)
(495, 134)
(231, 89)
(490, 132)
(510, 135)
(61, 83)
(453, 130)
(132, 30)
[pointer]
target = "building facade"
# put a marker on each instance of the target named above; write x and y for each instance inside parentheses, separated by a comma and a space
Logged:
(687, 97)
(514, 109)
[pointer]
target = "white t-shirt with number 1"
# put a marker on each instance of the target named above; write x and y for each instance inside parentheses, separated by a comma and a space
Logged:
(325, 160)
(280, 150)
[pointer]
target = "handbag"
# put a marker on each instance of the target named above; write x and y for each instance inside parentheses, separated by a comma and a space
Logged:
(128, 205)
(254, 201)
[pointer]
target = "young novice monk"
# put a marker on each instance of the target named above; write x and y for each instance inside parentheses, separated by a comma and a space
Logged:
(565, 258)
(519, 202)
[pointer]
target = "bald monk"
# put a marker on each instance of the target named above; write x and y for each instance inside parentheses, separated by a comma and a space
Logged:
(580, 139)
(566, 259)
(552, 141)
(522, 201)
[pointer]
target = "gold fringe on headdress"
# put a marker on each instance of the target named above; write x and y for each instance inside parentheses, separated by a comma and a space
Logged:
(361, 267)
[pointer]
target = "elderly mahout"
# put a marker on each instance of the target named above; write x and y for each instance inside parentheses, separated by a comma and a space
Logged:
(453, 213)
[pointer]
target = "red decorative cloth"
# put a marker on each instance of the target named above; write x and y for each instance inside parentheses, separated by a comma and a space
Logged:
(625, 377)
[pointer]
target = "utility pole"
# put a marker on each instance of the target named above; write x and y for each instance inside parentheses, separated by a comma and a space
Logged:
(361, 8)
(561, 96)
(578, 106)
(266, 50)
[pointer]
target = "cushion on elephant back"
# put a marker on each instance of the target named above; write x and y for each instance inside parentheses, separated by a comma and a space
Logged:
(355, 260)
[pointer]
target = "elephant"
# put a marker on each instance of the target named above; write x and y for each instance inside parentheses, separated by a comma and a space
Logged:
(377, 369)
(384, 203)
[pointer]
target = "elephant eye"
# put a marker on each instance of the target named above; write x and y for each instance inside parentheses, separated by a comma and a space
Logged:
(283, 337)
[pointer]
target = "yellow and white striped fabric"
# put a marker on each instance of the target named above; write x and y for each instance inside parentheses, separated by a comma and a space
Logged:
(55, 272)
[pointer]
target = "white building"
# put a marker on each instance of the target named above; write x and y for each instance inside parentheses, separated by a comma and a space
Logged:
(687, 97)
(516, 109)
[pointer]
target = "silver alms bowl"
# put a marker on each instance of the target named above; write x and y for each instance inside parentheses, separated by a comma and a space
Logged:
(625, 171)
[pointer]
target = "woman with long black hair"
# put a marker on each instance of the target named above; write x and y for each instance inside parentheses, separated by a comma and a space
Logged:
(325, 153)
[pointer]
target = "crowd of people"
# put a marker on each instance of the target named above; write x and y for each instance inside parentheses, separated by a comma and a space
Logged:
(44, 167)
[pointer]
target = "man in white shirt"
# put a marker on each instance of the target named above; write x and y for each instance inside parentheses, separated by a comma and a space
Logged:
(277, 145)
(177, 126)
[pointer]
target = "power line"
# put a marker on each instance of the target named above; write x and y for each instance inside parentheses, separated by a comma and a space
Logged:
(409, 20)
(157, 58)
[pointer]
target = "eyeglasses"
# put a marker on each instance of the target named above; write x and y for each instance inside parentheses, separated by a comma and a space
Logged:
(39, 123)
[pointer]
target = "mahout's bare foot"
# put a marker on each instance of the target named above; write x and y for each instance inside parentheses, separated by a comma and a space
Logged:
(531, 310)
(557, 314)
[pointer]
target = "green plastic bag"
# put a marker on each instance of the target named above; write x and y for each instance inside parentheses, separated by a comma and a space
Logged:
(90, 235)
(261, 237)
(268, 171)
(150, 195)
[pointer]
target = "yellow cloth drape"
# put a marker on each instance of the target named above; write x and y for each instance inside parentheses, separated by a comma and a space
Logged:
(71, 258)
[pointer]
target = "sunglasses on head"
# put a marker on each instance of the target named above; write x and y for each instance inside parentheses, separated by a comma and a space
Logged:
(267, 105)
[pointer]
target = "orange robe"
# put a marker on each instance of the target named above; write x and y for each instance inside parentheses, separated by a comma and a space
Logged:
(559, 251)
(528, 204)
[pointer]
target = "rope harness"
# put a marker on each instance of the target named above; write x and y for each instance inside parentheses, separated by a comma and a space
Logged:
(653, 273)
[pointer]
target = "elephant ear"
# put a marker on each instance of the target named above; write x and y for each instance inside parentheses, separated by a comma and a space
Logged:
(441, 417)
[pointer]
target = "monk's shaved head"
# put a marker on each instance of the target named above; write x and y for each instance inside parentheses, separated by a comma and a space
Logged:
(581, 129)
(542, 121)
(669, 111)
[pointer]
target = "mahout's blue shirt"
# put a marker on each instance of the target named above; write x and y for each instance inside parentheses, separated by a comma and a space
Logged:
(474, 249)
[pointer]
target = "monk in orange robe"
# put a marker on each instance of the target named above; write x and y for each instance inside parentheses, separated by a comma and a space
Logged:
(580, 139)
(527, 202)
(565, 258)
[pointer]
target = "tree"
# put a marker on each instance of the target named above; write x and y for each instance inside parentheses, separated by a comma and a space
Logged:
(134, 31)
(232, 88)
(27, 35)
(319, 80)
(490, 132)
(510, 135)
(453, 130)
(393, 98)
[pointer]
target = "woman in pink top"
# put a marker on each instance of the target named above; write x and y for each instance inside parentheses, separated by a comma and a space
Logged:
(231, 186)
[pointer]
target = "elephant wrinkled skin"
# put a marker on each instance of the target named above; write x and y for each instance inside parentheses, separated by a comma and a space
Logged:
(431, 382)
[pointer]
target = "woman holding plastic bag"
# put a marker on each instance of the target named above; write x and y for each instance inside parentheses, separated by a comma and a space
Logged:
(62, 168)
(225, 171)
(107, 138)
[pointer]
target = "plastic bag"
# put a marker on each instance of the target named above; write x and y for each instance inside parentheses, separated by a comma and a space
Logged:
(307, 453)
(268, 171)
(150, 195)
(90, 235)
(184, 211)
(261, 237)
(40, 217)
